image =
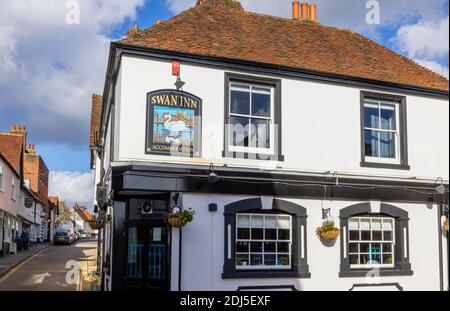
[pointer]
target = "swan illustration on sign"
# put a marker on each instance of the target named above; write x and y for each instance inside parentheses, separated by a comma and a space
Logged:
(175, 128)
(173, 123)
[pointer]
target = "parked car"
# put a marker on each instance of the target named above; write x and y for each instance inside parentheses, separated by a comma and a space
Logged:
(63, 237)
(83, 235)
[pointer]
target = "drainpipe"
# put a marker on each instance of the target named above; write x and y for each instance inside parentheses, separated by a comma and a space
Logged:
(441, 259)
(180, 250)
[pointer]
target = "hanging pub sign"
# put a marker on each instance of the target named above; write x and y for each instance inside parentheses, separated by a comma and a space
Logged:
(173, 123)
(28, 202)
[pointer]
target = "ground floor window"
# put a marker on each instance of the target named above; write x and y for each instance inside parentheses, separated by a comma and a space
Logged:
(263, 241)
(374, 237)
(371, 242)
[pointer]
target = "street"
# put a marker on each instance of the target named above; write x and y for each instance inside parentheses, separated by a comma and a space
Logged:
(53, 269)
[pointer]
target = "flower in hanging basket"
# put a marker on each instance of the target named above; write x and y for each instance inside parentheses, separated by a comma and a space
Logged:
(179, 218)
(328, 231)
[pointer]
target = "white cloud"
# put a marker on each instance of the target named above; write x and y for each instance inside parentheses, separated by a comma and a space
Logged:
(49, 68)
(72, 187)
(424, 39)
(427, 43)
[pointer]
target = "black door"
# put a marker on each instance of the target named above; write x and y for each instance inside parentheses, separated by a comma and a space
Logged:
(148, 258)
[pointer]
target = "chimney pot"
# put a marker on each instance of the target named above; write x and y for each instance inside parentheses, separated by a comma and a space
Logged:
(304, 11)
(296, 9)
(313, 12)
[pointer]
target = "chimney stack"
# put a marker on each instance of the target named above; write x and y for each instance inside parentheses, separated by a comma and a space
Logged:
(313, 12)
(296, 9)
(19, 130)
(133, 30)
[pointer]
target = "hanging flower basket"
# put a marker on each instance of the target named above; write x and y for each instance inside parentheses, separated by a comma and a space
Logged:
(179, 218)
(328, 231)
(176, 222)
(96, 225)
(446, 224)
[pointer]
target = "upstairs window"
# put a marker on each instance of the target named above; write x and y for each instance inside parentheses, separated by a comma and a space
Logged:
(13, 189)
(1, 178)
(383, 122)
(252, 118)
(381, 131)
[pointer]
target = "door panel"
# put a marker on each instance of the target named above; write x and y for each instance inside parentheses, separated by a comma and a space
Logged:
(147, 260)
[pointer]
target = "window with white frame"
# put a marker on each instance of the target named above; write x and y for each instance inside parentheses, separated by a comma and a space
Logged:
(13, 189)
(263, 241)
(371, 242)
(251, 118)
(2, 178)
(381, 131)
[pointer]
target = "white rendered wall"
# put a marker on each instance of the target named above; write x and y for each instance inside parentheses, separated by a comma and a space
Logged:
(320, 122)
(203, 249)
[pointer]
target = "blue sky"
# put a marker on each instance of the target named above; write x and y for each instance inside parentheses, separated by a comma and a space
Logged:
(49, 69)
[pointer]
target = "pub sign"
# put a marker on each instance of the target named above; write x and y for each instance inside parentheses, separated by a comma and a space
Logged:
(173, 123)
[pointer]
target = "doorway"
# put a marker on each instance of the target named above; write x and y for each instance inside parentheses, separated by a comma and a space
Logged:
(148, 262)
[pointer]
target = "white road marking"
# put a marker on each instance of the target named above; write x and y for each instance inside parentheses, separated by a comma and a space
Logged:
(41, 277)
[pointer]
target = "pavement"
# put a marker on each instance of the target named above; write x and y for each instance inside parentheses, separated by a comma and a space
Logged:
(51, 268)
(9, 261)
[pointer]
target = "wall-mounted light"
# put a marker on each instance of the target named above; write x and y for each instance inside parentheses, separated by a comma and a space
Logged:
(212, 176)
(147, 208)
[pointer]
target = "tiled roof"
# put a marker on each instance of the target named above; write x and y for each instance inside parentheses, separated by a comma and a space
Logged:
(83, 212)
(11, 146)
(96, 114)
(221, 28)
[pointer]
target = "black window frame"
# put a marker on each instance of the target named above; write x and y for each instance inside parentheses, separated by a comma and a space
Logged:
(276, 85)
(402, 127)
(402, 263)
(299, 266)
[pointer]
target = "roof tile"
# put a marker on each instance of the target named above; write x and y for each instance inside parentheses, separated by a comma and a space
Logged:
(219, 28)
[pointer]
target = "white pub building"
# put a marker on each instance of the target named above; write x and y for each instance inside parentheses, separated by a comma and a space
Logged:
(314, 158)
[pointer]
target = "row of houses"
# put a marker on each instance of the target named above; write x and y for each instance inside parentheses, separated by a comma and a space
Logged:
(25, 205)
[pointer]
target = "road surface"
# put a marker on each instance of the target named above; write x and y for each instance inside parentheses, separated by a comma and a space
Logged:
(46, 271)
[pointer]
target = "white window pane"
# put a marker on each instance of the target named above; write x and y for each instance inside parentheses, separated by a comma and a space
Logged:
(284, 222)
(271, 222)
(388, 224)
(376, 224)
(365, 224)
(243, 221)
(240, 86)
(353, 224)
(257, 222)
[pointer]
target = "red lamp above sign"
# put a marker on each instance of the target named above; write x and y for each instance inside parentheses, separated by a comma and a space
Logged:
(176, 68)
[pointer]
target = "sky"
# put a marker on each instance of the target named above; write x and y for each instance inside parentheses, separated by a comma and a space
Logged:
(51, 61)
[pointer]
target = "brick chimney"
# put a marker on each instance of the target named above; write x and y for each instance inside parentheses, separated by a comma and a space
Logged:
(227, 4)
(30, 149)
(133, 30)
(19, 130)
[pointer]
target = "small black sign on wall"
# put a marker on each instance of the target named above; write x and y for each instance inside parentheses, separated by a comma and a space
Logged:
(173, 123)
(28, 202)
